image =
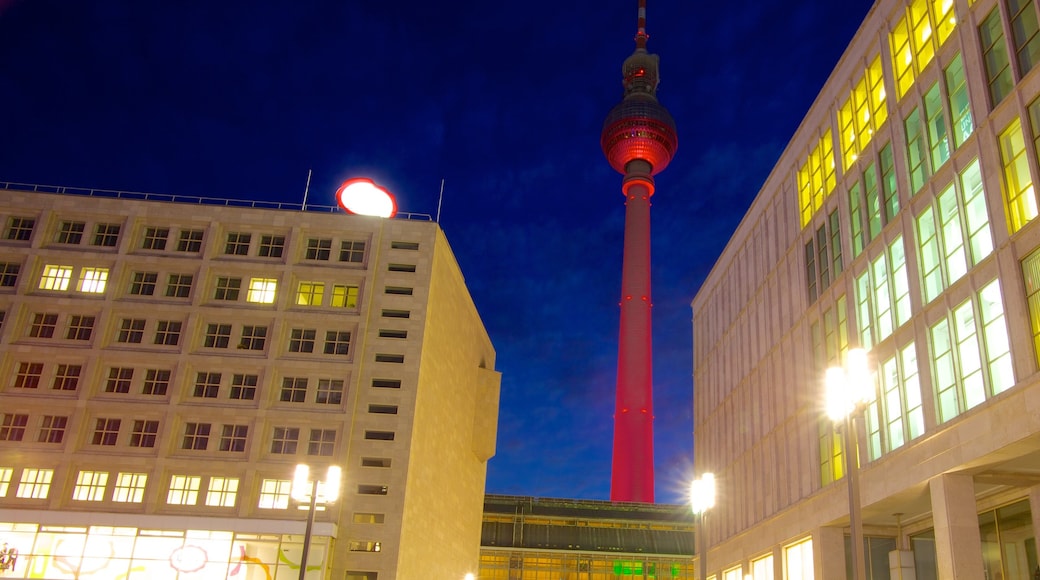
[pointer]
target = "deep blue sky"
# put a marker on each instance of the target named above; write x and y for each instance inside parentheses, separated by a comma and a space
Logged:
(504, 100)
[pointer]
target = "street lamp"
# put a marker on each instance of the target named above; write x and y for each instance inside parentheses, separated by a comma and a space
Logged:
(849, 389)
(702, 499)
(304, 490)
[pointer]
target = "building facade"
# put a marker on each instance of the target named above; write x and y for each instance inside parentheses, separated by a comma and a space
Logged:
(900, 218)
(166, 365)
(527, 538)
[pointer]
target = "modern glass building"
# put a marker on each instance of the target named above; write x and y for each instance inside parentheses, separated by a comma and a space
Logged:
(167, 362)
(901, 218)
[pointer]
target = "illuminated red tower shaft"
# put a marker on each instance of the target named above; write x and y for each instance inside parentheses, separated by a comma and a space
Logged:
(639, 140)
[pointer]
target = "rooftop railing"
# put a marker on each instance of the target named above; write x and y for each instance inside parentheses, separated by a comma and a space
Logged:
(190, 199)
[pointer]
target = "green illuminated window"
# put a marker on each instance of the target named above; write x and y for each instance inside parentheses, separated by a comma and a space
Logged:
(938, 141)
(883, 295)
(917, 153)
(1031, 275)
(1019, 197)
(901, 398)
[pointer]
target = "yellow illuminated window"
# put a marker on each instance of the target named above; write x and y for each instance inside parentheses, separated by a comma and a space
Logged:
(56, 278)
(922, 30)
(862, 113)
(261, 290)
(222, 491)
(310, 293)
(817, 178)
(129, 487)
(274, 494)
(344, 296)
(35, 483)
(92, 280)
(945, 20)
(6, 473)
(184, 490)
(1019, 197)
(90, 486)
(798, 561)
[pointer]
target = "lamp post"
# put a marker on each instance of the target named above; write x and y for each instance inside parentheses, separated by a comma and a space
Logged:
(304, 490)
(702, 499)
(849, 389)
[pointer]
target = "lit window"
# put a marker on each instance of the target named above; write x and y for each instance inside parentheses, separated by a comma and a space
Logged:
(271, 246)
(798, 561)
(227, 288)
(131, 330)
(243, 387)
(155, 238)
(43, 325)
(52, 429)
(253, 338)
(959, 103)
(144, 433)
(816, 178)
(914, 40)
(302, 340)
(294, 390)
(285, 440)
(233, 438)
(903, 416)
(237, 244)
(370, 546)
(207, 385)
(222, 491)
(330, 392)
(322, 442)
(106, 431)
(1019, 197)
(883, 295)
(35, 483)
(119, 379)
(352, 251)
(344, 296)
(28, 376)
(20, 229)
(106, 235)
(80, 327)
(143, 283)
(12, 428)
(56, 278)
(6, 473)
(938, 139)
(310, 293)
(762, 569)
(156, 381)
(184, 490)
(196, 436)
(261, 290)
(189, 241)
(274, 494)
(129, 487)
(318, 248)
(66, 378)
(90, 486)
(9, 274)
(92, 280)
(71, 232)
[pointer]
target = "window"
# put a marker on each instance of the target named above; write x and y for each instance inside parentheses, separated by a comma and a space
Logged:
(189, 241)
(959, 103)
(337, 342)
(261, 290)
(860, 115)
(129, 487)
(156, 381)
(330, 392)
(383, 462)
(217, 336)
(382, 409)
(35, 483)
(222, 491)
(344, 296)
(119, 380)
(71, 232)
(352, 251)
(106, 235)
(883, 295)
(66, 378)
(43, 325)
(274, 494)
(52, 429)
(997, 527)
(294, 390)
(143, 283)
(310, 293)
(398, 245)
(233, 438)
(889, 193)
(1023, 21)
(398, 290)
(12, 428)
(206, 385)
(363, 546)
(243, 387)
(372, 489)
(237, 244)
(168, 332)
(285, 440)
(196, 436)
(301, 340)
(917, 36)
(271, 246)
(131, 330)
(798, 561)
(390, 358)
(823, 261)
(106, 431)
(379, 435)
(995, 58)
(902, 413)
(90, 486)
(80, 327)
(178, 286)
(155, 238)
(144, 433)
(28, 376)
(368, 518)
(227, 288)
(6, 473)
(1019, 197)
(322, 443)
(396, 313)
(762, 569)
(92, 280)
(9, 274)
(20, 229)
(938, 139)
(56, 278)
(970, 353)
(392, 333)
(318, 248)
(411, 267)
(386, 383)
(184, 490)
(253, 338)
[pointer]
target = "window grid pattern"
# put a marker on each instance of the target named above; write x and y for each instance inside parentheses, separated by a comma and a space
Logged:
(106, 431)
(271, 246)
(143, 283)
(156, 382)
(227, 288)
(106, 235)
(119, 379)
(12, 428)
(285, 440)
(52, 429)
(1019, 197)
(90, 486)
(883, 295)
(155, 238)
(20, 228)
(71, 232)
(129, 487)
(66, 378)
(222, 491)
(184, 490)
(55, 278)
(863, 113)
(916, 37)
(816, 178)
(243, 387)
(233, 438)
(9, 274)
(274, 494)
(35, 483)
(144, 433)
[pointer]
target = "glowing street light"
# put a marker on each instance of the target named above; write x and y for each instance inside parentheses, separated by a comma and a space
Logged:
(304, 490)
(702, 499)
(363, 197)
(849, 390)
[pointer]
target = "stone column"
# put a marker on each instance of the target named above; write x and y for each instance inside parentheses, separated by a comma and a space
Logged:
(958, 546)
(828, 553)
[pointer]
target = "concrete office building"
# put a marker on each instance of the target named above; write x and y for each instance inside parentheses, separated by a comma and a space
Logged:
(166, 365)
(527, 538)
(901, 218)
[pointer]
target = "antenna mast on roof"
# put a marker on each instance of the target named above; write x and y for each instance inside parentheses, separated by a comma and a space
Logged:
(306, 188)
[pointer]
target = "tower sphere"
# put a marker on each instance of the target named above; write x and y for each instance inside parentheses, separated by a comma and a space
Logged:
(639, 128)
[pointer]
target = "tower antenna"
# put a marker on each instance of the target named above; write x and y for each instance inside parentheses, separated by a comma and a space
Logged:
(440, 198)
(306, 188)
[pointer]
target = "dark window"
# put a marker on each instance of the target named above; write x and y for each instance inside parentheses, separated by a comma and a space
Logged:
(301, 340)
(168, 332)
(401, 267)
(253, 338)
(233, 438)
(352, 251)
(71, 232)
(271, 246)
(178, 286)
(337, 342)
(237, 244)
(156, 381)
(143, 283)
(398, 290)
(9, 274)
(383, 409)
(28, 376)
(294, 390)
(285, 440)
(386, 383)
(379, 435)
(217, 335)
(106, 431)
(144, 433)
(155, 238)
(228, 288)
(196, 436)
(43, 325)
(67, 378)
(243, 387)
(318, 248)
(189, 241)
(330, 392)
(52, 429)
(322, 442)
(131, 330)
(392, 333)
(404, 245)
(119, 380)
(19, 228)
(390, 358)
(396, 313)
(80, 327)
(207, 385)
(106, 235)
(12, 428)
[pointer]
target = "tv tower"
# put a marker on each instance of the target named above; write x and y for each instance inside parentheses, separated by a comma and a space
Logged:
(639, 140)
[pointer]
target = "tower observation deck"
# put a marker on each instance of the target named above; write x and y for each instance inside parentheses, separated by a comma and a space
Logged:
(638, 139)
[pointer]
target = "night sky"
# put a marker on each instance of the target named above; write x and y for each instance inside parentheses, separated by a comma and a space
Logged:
(504, 100)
